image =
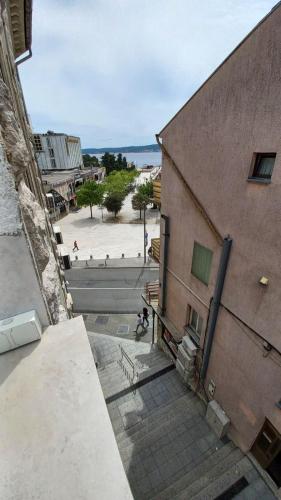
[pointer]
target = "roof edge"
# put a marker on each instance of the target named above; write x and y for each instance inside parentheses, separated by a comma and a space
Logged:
(275, 7)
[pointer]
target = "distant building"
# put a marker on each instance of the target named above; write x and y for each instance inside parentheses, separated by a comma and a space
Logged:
(60, 188)
(221, 190)
(58, 151)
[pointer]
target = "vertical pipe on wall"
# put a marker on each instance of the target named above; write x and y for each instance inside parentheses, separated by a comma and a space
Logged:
(227, 242)
(164, 263)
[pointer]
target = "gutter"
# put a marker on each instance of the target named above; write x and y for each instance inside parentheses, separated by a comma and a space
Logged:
(25, 58)
(214, 311)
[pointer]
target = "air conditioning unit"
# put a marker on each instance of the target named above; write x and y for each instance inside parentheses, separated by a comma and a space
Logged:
(19, 330)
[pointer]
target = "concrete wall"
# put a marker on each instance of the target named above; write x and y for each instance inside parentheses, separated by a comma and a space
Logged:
(212, 140)
(20, 290)
(66, 149)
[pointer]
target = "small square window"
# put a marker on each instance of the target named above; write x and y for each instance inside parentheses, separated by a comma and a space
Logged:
(201, 263)
(263, 166)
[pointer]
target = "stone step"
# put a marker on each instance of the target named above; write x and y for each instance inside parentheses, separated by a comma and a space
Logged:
(223, 482)
(257, 489)
(211, 474)
(185, 405)
(155, 436)
(198, 471)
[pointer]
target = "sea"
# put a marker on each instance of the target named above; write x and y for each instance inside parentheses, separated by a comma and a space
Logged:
(140, 159)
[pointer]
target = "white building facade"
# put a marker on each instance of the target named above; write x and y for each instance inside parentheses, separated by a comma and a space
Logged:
(58, 151)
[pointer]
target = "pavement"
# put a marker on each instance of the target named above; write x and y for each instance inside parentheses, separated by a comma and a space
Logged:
(167, 448)
(118, 326)
(104, 234)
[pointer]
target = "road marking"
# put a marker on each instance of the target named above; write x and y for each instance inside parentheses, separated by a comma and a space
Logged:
(99, 288)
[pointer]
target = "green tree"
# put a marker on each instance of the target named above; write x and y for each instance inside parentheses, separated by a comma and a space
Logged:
(90, 194)
(138, 202)
(108, 161)
(143, 196)
(90, 161)
(124, 162)
(114, 202)
(120, 181)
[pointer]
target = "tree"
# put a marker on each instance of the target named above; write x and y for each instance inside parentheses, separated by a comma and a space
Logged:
(90, 194)
(143, 196)
(108, 161)
(113, 202)
(124, 162)
(90, 161)
(138, 202)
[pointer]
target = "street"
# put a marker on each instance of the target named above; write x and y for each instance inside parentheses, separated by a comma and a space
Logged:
(109, 290)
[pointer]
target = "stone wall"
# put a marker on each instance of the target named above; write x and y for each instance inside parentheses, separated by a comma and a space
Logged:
(23, 216)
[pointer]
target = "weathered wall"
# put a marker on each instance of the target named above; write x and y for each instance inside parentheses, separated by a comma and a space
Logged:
(21, 211)
(212, 140)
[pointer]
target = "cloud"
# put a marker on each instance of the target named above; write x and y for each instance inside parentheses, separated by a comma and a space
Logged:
(115, 71)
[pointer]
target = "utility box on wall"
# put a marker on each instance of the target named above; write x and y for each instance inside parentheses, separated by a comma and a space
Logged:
(217, 419)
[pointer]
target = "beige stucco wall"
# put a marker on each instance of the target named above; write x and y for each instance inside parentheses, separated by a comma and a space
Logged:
(212, 140)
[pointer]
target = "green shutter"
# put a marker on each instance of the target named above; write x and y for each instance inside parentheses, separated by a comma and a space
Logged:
(201, 263)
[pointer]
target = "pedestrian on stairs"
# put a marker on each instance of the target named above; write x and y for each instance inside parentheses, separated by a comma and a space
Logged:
(145, 315)
(139, 323)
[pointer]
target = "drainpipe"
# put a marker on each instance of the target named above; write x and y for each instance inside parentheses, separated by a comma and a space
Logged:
(210, 333)
(163, 291)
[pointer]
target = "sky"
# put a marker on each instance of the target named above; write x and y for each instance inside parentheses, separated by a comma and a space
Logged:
(114, 72)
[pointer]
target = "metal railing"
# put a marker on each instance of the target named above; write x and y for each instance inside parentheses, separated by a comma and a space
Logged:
(125, 356)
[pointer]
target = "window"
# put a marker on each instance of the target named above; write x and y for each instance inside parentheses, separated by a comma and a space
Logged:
(201, 263)
(48, 142)
(53, 163)
(195, 325)
(37, 143)
(51, 152)
(263, 166)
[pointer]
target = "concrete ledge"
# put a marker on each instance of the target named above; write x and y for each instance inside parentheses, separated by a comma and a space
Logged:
(56, 438)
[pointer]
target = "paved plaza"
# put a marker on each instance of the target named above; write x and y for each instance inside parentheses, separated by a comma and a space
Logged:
(167, 448)
(104, 234)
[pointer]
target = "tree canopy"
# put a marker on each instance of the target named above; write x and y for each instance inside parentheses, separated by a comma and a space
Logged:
(90, 161)
(90, 194)
(110, 162)
(113, 202)
(143, 196)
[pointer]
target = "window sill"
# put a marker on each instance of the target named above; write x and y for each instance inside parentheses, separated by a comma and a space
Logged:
(259, 180)
(193, 335)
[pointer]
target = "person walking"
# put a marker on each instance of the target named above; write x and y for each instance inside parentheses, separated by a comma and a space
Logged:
(139, 324)
(145, 315)
(75, 246)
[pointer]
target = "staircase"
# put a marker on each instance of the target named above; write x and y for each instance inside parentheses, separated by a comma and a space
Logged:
(168, 450)
(170, 453)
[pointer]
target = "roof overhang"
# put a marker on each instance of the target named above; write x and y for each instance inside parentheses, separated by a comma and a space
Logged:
(20, 13)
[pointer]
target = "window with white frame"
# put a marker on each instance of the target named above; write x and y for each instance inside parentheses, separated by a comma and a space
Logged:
(195, 325)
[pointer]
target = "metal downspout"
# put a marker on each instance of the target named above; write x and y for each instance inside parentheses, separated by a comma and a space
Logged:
(163, 281)
(227, 242)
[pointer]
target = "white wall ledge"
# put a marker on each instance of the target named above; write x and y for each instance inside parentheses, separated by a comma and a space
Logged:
(56, 438)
